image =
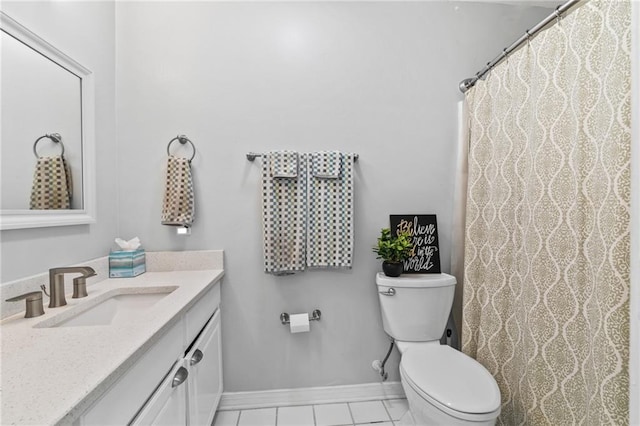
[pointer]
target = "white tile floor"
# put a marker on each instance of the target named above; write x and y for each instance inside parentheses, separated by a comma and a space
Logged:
(380, 413)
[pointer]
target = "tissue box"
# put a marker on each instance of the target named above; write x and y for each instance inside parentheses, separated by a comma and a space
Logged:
(127, 263)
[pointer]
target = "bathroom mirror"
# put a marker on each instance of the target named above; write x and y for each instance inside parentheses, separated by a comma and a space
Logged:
(44, 92)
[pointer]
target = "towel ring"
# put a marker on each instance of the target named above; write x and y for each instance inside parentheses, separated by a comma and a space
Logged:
(54, 137)
(183, 139)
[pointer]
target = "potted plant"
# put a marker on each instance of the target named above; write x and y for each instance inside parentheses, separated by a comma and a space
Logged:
(393, 250)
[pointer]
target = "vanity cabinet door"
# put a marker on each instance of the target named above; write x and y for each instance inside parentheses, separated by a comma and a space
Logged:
(168, 405)
(205, 374)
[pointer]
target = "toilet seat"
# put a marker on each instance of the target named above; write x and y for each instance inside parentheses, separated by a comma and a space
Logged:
(451, 381)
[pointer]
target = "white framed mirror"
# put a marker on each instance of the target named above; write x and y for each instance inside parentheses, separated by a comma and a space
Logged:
(47, 108)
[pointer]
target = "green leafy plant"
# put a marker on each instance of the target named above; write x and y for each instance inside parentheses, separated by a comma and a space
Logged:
(393, 248)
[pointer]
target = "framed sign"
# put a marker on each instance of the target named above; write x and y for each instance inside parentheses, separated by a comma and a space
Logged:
(423, 229)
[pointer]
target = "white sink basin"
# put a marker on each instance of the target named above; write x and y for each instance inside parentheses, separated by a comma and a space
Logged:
(113, 308)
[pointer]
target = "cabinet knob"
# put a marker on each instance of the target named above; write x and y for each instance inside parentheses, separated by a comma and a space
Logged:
(197, 357)
(180, 377)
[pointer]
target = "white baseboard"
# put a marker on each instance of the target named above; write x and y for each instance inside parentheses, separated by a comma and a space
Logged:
(310, 396)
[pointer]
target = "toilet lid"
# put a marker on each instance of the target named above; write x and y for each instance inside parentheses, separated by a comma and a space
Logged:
(451, 379)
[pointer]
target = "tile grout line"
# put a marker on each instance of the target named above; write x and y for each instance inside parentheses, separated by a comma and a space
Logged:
(353, 420)
(388, 413)
(313, 412)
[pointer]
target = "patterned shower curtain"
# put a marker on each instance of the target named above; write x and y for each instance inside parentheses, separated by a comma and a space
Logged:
(547, 264)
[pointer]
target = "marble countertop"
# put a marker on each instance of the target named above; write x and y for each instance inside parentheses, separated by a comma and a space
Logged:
(52, 375)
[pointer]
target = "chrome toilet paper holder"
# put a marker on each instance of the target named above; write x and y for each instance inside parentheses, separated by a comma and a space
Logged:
(315, 316)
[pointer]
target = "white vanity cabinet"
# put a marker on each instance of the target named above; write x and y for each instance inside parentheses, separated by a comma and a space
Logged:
(178, 381)
(190, 393)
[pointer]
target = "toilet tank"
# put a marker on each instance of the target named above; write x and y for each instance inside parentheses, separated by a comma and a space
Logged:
(419, 308)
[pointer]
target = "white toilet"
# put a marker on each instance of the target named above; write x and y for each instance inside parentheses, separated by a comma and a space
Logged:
(443, 386)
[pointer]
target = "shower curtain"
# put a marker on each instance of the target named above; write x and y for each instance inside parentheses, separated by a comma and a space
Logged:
(546, 293)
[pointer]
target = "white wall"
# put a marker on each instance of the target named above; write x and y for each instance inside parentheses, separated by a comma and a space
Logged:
(375, 78)
(86, 32)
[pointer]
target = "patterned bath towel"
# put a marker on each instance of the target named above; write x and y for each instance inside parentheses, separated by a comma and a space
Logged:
(178, 206)
(52, 184)
(330, 212)
(284, 216)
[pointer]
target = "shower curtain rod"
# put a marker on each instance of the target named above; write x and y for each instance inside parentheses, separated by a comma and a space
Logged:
(468, 83)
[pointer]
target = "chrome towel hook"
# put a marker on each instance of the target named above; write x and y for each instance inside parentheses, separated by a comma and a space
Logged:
(54, 137)
(183, 139)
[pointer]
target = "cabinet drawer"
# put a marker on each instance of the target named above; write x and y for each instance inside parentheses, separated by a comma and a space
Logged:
(121, 402)
(199, 313)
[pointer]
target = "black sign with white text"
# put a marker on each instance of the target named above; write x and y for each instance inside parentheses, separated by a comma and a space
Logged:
(423, 229)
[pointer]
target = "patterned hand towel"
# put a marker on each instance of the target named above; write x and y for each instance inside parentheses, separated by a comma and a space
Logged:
(330, 217)
(178, 206)
(52, 184)
(284, 164)
(284, 218)
(326, 164)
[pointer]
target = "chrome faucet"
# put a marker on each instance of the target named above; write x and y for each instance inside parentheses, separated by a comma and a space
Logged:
(56, 284)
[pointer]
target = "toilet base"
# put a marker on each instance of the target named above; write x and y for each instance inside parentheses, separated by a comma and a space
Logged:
(422, 413)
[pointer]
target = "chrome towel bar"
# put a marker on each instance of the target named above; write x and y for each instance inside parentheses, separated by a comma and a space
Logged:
(253, 155)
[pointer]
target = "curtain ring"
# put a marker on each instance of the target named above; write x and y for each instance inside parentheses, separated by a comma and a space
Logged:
(54, 137)
(489, 69)
(528, 34)
(558, 14)
(183, 139)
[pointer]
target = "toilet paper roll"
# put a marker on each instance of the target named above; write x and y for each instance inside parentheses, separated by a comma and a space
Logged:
(299, 323)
